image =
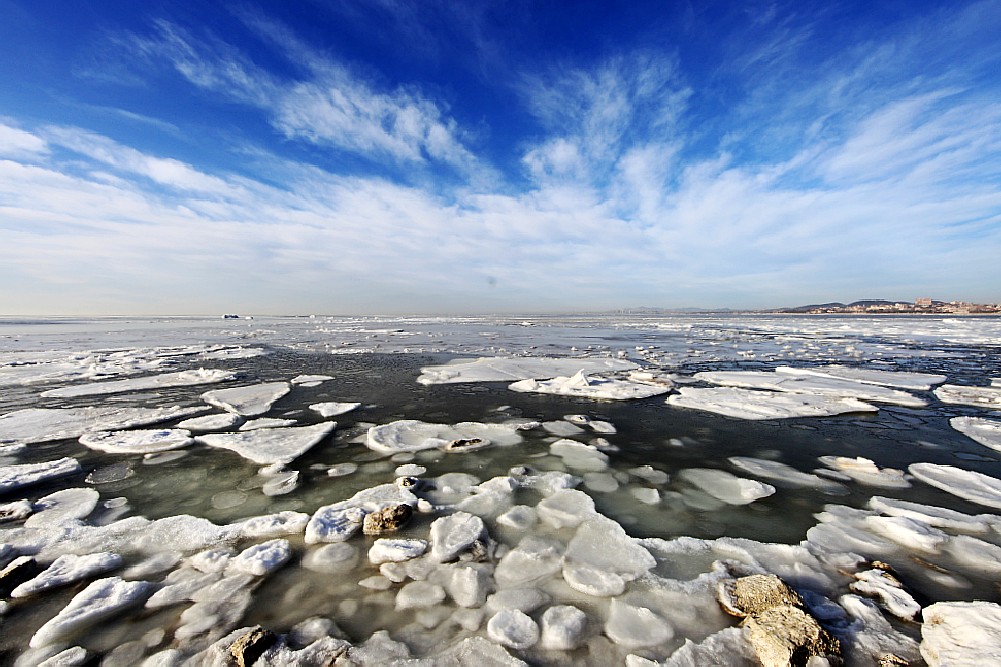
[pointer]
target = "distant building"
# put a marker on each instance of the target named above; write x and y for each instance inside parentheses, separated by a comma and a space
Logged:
(923, 301)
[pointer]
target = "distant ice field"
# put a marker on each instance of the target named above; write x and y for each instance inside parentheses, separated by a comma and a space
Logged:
(265, 502)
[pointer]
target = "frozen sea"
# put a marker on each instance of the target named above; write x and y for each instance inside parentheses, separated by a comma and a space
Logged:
(167, 483)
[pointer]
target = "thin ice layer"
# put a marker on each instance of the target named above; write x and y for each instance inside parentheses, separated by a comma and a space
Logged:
(728, 488)
(901, 379)
(271, 445)
(499, 369)
(100, 600)
(26, 474)
(411, 435)
(753, 404)
(580, 384)
(987, 397)
(44, 424)
(145, 441)
(967, 484)
(248, 401)
(332, 409)
(939, 517)
(807, 384)
(162, 381)
(985, 431)
(785, 475)
(865, 471)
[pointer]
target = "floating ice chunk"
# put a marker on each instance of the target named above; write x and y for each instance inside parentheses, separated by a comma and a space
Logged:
(410, 470)
(310, 380)
(270, 525)
(68, 569)
(933, 516)
(332, 409)
(591, 581)
(565, 508)
(26, 474)
(548, 483)
(334, 523)
(961, 633)
(785, 475)
(581, 457)
(962, 395)
(973, 486)
(601, 482)
(271, 445)
(75, 655)
(907, 532)
(533, 558)
(723, 486)
(453, 534)
(219, 422)
(976, 555)
(410, 435)
(247, 401)
(211, 561)
(137, 442)
(513, 628)
(904, 380)
(385, 550)
(98, 601)
(342, 469)
(469, 585)
(162, 381)
(44, 424)
(419, 594)
(62, 507)
(266, 422)
(260, 559)
(985, 431)
(522, 599)
(580, 384)
(562, 428)
(650, 474)
(888, 591)
(336, 558)
(870, 635)
(14, 511)
(753, 404)
(181, 586)
(497, 369)
(865, 471)
(563, 627)
(635, 627)
(519, 517)
(603, 545)
(813, 385)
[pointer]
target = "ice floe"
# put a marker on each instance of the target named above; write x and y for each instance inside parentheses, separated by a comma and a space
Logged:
(728, 488)
(44, 424)
(145, 441)
(271, 445)
(95, 603)
(25, 474)
(754, 404)
(985, 431)
(901, 379)
(162, 381)
(248, 401)
(260, 559)
(961, 633)
(68, 569)
(60, 507)
(310, 380)
(785, 475)
(811, 384)
(266, 422)
(865, 471)
(580, 384)
(967, 484)
(939, 517)
(499, 369)
(986, 397)
(411, 435)
(332, 409)
(219, 422)
(513, 628)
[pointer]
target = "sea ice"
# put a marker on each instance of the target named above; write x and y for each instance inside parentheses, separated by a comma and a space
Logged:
(336, 558)
(903, 380)
(985, 431)
(271, 445)
(579, 456)
(522, 599)
(563, 627)
(635, 627)
(62, 507)
(933, 516)
(137, 442)
(888, 592)
(754, 404)
(453, 534)
(580, 384)
(310, 380)
(266, 422)
(602, 545)
(533, 558)
(498, 369)
(219, 422)
(334, 523)
(260, 559)
(519, 517)
(565, 508)
(865, 471)
(812, 385)
(44, 424)
(410, 435)
(331, 409)
(248, 401)
(67, 569)
(95, 603)
(728, 488)
(785, 475)
(25, 474)
(988, 397)
(513, 628)
(419, 594)
(469, 585)
(162, 381)
(389, 550)
(967, 484)
(961, 633)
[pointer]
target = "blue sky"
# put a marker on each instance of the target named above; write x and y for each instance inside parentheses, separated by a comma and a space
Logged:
(393, 157)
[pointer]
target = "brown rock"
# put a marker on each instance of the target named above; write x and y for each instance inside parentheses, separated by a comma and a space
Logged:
(755, 593)
(787, 635)
(387, 520)
(249, 647)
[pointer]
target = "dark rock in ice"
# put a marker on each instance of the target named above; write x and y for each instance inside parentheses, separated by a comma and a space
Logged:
(387, 520)
(752, 594)
(249, 647)
(18, 571)
(787, 635)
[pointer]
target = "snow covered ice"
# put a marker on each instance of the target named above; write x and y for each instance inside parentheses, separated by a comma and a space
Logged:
(535, 528)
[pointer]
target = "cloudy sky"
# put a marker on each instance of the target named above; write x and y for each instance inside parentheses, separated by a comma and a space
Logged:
(432, 156)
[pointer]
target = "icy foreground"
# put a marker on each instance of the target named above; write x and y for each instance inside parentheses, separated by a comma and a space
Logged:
(472, 524)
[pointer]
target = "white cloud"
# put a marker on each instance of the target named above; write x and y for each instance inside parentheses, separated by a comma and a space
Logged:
(16, 143)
